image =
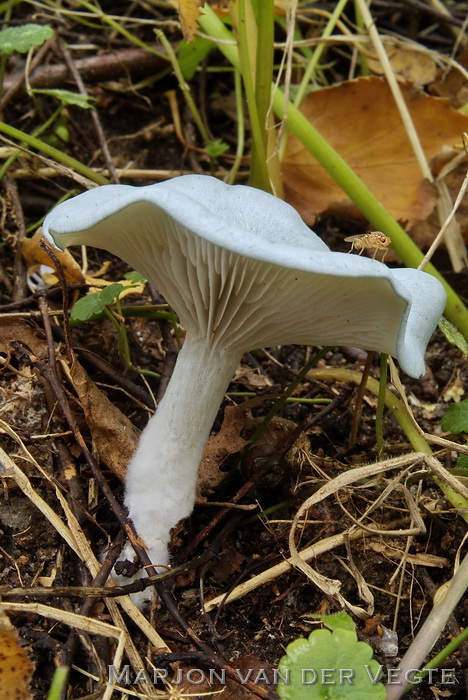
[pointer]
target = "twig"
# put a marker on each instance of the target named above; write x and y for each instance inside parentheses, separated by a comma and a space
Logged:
(431, 629)
(14, 84)
(19, 285)
(103, 66)
(94, 115)
(43, 304)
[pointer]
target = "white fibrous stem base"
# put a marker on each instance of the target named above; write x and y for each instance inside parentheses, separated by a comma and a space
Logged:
(162, 475)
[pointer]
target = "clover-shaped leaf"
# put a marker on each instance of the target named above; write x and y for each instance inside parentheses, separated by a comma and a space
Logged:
(93, 304)
(330, 665)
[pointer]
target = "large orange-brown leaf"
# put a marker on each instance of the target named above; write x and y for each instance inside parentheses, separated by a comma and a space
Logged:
(360, 120)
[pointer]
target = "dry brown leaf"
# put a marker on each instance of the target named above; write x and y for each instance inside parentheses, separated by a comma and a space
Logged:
(452, 84)
(21, 331)
(236, 432)
(407, 63)
(188, 15)
(35, 256)
(251, 378)
(227, 442)
(16, 667)
(114, 436)
(360, 120)
(424, 232)
(228, 563)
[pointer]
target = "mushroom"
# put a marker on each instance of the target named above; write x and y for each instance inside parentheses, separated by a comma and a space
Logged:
(242, 271)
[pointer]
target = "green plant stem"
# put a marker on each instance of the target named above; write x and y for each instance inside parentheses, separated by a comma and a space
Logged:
(381, 406)
(59, 682)
(265, 16)
(240, 128)
(40, 130)
(317, 54)
(123, 347)
(290, 399)
(343, 175)
(448, 650)
(398, 409)
(137, 311)
(258, 168)
(184, 87)
(54, 153)
(362, 30)
(121, 30)
(279, 403)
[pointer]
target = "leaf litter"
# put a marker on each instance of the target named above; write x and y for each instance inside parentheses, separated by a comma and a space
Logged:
(267, 623)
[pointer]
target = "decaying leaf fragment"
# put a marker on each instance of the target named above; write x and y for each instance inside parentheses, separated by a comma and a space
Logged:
(236, 432)
(36, 256)
(228, 441)
(16, 667)
(114, 435)
(360, 120)
(17, 332)
(188, 15)
(409, 62)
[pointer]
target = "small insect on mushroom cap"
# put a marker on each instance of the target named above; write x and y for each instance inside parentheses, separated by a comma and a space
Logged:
(374, 240)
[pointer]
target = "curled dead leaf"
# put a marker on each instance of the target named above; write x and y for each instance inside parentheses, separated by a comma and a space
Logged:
(360, 120)
(114, 436)
(236, 432)
(36, 256)
(408, 62)
(189, 11)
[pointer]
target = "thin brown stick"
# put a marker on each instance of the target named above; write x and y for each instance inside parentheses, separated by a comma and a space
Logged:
(19, 284)
(94, 115)
(104, 66)
(43, 304)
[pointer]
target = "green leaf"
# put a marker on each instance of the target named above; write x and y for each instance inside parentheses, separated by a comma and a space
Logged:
(453, 335)
(93, 304)
(216, 148)
(462, 462)
(335, 621)
(135, 277)
(23, 38)
(339, 621)
(189, 56)
(330, 665)
(61, 128)
(455, 419)
(68, 98)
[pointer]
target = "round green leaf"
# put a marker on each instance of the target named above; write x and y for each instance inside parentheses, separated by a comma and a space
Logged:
(23, 38)
(329, 665)
(455, 419)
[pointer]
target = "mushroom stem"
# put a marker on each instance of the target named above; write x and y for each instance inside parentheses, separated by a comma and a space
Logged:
(162, 474)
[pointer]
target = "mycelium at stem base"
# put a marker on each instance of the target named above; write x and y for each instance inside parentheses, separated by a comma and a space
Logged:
(162, 475)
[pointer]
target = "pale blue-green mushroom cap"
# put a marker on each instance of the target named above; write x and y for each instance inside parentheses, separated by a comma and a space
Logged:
(242, 269)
